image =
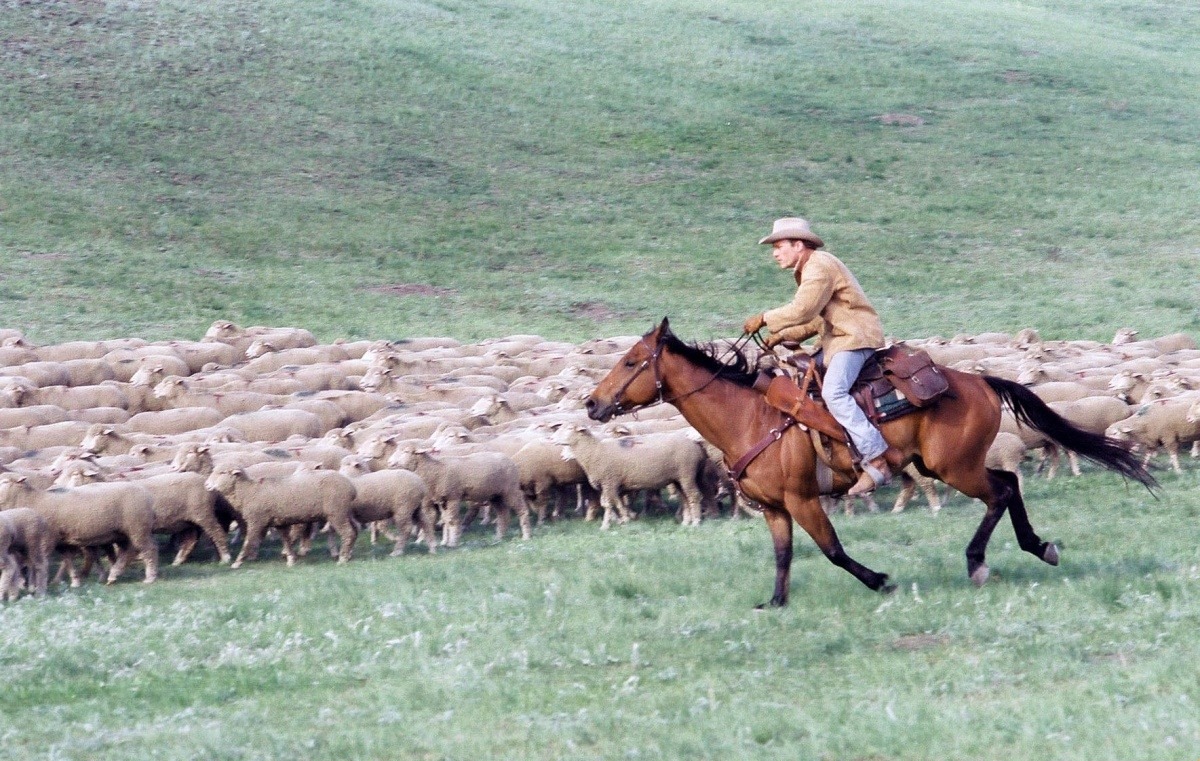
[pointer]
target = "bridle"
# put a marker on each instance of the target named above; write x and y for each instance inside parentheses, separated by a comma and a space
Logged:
(652, 362)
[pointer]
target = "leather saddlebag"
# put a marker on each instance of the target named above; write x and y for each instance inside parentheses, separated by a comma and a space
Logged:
(914, 374)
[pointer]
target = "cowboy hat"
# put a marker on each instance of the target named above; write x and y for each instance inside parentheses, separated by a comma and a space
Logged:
(793, 228)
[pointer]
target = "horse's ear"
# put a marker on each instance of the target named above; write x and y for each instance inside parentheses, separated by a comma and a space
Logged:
(664, 327)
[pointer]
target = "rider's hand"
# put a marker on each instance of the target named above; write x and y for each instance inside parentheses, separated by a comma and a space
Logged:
(754, 324)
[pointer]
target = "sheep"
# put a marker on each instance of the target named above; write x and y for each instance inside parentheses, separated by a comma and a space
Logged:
(1093, 414)
(39, 373)
(65, 433)
(544, 473)
(396, 495)
(174, 421)
(230, 333)
(183, 504)
(67, 397)
(305, 496)
(355, 405)
(93, 515)
(126, 365)
(84, 349)
(41, 414)
(629, 464)
(275, 424)
(265, 358)
(24, 533)
(1163, 424)
(174, 394)
(88, 372)
(479, 477)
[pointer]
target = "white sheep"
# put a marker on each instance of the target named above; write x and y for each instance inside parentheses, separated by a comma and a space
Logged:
(629, 464)
(395, 495)
(94, 515)
(481, 477)
(25, 539)
(302, 497)
(1164, 424)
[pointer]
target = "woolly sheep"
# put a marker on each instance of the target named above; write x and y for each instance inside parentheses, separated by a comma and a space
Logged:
(302, 497)
(396, 495)
(1163, 424)
(24, 534)
(275, 424)
(473, 478)
(630, 464)
(94, 515)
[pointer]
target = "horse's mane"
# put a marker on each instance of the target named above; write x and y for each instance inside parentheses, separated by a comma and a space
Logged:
(736, 368)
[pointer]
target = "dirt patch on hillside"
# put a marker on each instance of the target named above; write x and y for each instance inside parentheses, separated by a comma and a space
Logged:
(412, 289)
(593, 310)
(901, 120)
(914, 642)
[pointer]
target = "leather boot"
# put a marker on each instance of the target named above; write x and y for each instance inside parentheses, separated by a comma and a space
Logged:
(869, 481)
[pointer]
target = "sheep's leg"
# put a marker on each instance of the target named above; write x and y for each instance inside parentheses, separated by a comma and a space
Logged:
(212, 529)
(253, 538)
(147, 550)
(427, 517)
(344, 527)
(8, 577)
(1173, 451)
(187, 542)
(402, 522)
(908, 487)
(289, 538)
(1196, 449)
(451, 525)
(500, 508)
(607, 498)
(122, 561)
(515, 501)
(1073, 459)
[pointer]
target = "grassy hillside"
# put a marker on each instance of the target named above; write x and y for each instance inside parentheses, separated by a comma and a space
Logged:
(383, 168)
(388, 168)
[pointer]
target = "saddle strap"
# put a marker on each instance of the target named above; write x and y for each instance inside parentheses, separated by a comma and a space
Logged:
(775, 434)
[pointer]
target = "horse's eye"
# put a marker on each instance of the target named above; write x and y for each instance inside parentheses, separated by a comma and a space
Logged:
(630, 363)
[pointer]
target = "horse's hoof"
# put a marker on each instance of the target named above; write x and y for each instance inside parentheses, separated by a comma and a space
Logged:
(980, 575)
(1050, 554)
(888, 587)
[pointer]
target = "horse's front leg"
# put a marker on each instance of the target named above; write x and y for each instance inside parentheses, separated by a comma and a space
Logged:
(779, 522)
(811, 516)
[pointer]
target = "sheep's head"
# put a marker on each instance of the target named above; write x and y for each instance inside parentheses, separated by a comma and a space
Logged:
(193, 458)
(407, 457)
(259, 347)
(488, 405)
(13, 487)
(169, 387)
(149, 374)
(1031, 375)
(98, 438)
(1193, 413)
(222, 329)
(223, 479)
(376, 379)
(355, 465)
(1124, 336)
(1119, 432)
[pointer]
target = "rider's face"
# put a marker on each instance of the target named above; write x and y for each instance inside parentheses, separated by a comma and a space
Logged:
(787, 252)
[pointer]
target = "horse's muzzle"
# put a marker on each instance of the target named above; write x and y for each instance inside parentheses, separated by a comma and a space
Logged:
(598, 411)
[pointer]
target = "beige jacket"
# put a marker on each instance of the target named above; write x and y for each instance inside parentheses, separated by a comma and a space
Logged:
(828, 301)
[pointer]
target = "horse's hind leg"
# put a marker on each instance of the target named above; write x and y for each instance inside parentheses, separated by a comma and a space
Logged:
(1027, 538)
(999, 491)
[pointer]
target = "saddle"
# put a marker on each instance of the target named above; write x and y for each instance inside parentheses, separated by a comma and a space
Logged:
(895, 381)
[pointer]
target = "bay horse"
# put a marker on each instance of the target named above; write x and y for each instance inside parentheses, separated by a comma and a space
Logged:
(947, 440)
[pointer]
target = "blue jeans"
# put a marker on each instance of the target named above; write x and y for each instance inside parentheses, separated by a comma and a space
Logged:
(840, 374)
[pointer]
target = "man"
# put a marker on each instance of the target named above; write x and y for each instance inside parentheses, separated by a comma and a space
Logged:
(830, 302)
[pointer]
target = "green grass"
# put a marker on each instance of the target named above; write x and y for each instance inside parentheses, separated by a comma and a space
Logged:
(583, 169)
(580, 170)
(643, 641)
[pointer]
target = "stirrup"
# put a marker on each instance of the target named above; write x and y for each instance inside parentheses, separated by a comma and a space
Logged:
(870, 480)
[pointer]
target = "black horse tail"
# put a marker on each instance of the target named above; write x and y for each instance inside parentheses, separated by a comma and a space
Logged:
(1031, 411)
